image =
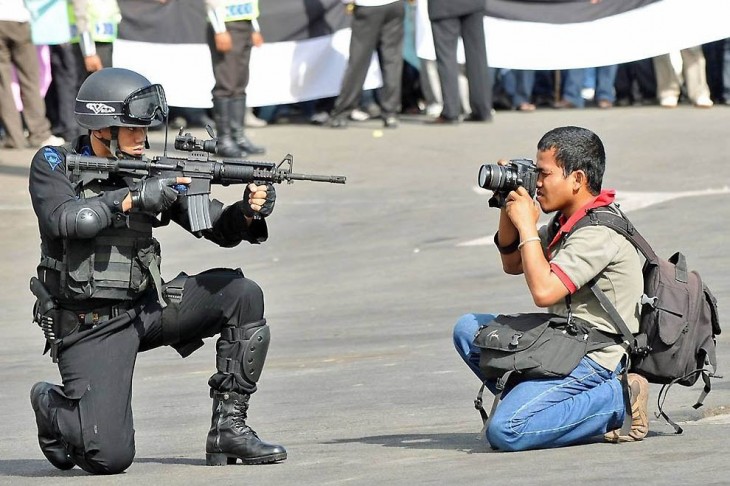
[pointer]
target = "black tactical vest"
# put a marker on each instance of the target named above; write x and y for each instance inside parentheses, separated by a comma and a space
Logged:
(118, 263)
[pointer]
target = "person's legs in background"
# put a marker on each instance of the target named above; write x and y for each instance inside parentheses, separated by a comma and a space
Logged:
(605, 94)
(524, 84)
(573, 80)
(695, 77)
(667, 81)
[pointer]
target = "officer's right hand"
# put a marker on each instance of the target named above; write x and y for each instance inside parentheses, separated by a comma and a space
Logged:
(93, 63)
(155, 194)
(258, 200)
(223, 42)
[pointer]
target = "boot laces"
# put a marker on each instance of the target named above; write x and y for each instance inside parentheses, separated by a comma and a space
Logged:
(240, 407)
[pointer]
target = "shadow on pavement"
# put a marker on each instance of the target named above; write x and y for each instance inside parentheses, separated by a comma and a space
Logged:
(468, 443)
(35, 468)
(187, 461)
(40, 468)
(12, 170)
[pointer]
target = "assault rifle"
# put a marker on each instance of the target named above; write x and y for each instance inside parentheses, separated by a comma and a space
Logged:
(203, 171)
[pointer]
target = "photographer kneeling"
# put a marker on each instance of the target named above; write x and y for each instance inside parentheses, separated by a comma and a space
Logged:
(557, 411)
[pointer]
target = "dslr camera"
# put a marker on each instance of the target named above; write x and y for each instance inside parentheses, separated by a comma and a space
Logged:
(502, 179)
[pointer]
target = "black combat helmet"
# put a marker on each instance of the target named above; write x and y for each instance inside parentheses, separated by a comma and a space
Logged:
(116, 97)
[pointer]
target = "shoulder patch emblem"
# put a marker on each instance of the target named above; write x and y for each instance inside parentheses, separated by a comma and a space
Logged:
(52, 157)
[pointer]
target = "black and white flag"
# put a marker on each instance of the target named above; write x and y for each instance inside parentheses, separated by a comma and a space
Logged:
(303, 57)
(307, 41)
(565, 34)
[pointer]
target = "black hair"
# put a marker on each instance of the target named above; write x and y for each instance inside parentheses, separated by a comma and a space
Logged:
(577, 148)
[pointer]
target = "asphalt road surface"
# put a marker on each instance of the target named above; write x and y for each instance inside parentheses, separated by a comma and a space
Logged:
(363, 283)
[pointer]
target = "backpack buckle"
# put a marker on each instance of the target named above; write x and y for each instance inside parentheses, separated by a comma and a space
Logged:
(645, 299)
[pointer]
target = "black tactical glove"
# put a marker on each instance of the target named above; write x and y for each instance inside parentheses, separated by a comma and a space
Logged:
(250, 198)
(154, 194)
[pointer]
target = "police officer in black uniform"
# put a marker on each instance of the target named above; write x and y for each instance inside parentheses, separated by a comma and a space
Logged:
(100, 265)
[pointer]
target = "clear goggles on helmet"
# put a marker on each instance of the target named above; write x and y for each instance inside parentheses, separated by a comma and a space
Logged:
(145, 103)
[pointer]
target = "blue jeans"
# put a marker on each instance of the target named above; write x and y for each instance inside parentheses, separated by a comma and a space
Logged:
(518, 84)
(574, 81)
(551, 412)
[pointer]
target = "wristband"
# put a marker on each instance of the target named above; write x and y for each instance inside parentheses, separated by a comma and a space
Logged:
(522, 243)
(508, 249)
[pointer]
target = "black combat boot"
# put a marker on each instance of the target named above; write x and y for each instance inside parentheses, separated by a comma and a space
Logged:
(225, 145)
(51, 446)
(230, 438)
(238, 122)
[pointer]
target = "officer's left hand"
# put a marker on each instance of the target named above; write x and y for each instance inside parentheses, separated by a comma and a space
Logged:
(522, 210)
(223, 42)
(258, 200)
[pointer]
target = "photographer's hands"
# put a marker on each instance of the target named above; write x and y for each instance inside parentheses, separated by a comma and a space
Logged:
(523, 211)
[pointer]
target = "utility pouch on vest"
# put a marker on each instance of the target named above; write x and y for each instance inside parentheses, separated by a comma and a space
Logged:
(118, 264)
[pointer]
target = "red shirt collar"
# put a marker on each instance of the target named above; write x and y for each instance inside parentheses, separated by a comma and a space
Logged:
(605, 198)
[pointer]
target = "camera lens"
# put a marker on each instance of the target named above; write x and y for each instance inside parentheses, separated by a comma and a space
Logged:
(492, 176)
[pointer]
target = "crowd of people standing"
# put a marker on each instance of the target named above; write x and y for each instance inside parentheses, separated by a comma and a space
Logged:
(80, 34)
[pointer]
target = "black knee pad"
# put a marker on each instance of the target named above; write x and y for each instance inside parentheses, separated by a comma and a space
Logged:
(248, 356)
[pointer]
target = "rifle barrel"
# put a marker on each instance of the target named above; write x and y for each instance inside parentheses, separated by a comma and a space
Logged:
(333, 179)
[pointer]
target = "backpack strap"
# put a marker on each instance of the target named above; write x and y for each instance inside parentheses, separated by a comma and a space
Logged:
(630, 343)
(615, 219)
(680, 267)
(478, 403)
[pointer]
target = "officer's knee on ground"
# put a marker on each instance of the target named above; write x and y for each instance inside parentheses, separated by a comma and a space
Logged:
(111, 459)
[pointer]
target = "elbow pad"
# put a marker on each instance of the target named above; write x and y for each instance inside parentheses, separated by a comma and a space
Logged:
(84, 219)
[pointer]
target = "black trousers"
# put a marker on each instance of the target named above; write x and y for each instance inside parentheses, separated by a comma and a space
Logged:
(446, 33)
(92, 407)
(61, 95)
(374, 29)
(635, 78)
(231, 69)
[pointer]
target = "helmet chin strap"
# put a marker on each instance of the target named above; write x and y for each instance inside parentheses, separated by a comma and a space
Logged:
(113, 144)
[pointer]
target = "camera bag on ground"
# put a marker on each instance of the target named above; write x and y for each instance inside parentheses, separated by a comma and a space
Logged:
(679, 319)
(520, 347)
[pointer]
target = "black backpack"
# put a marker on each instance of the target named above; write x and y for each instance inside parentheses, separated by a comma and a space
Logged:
(679, 319)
